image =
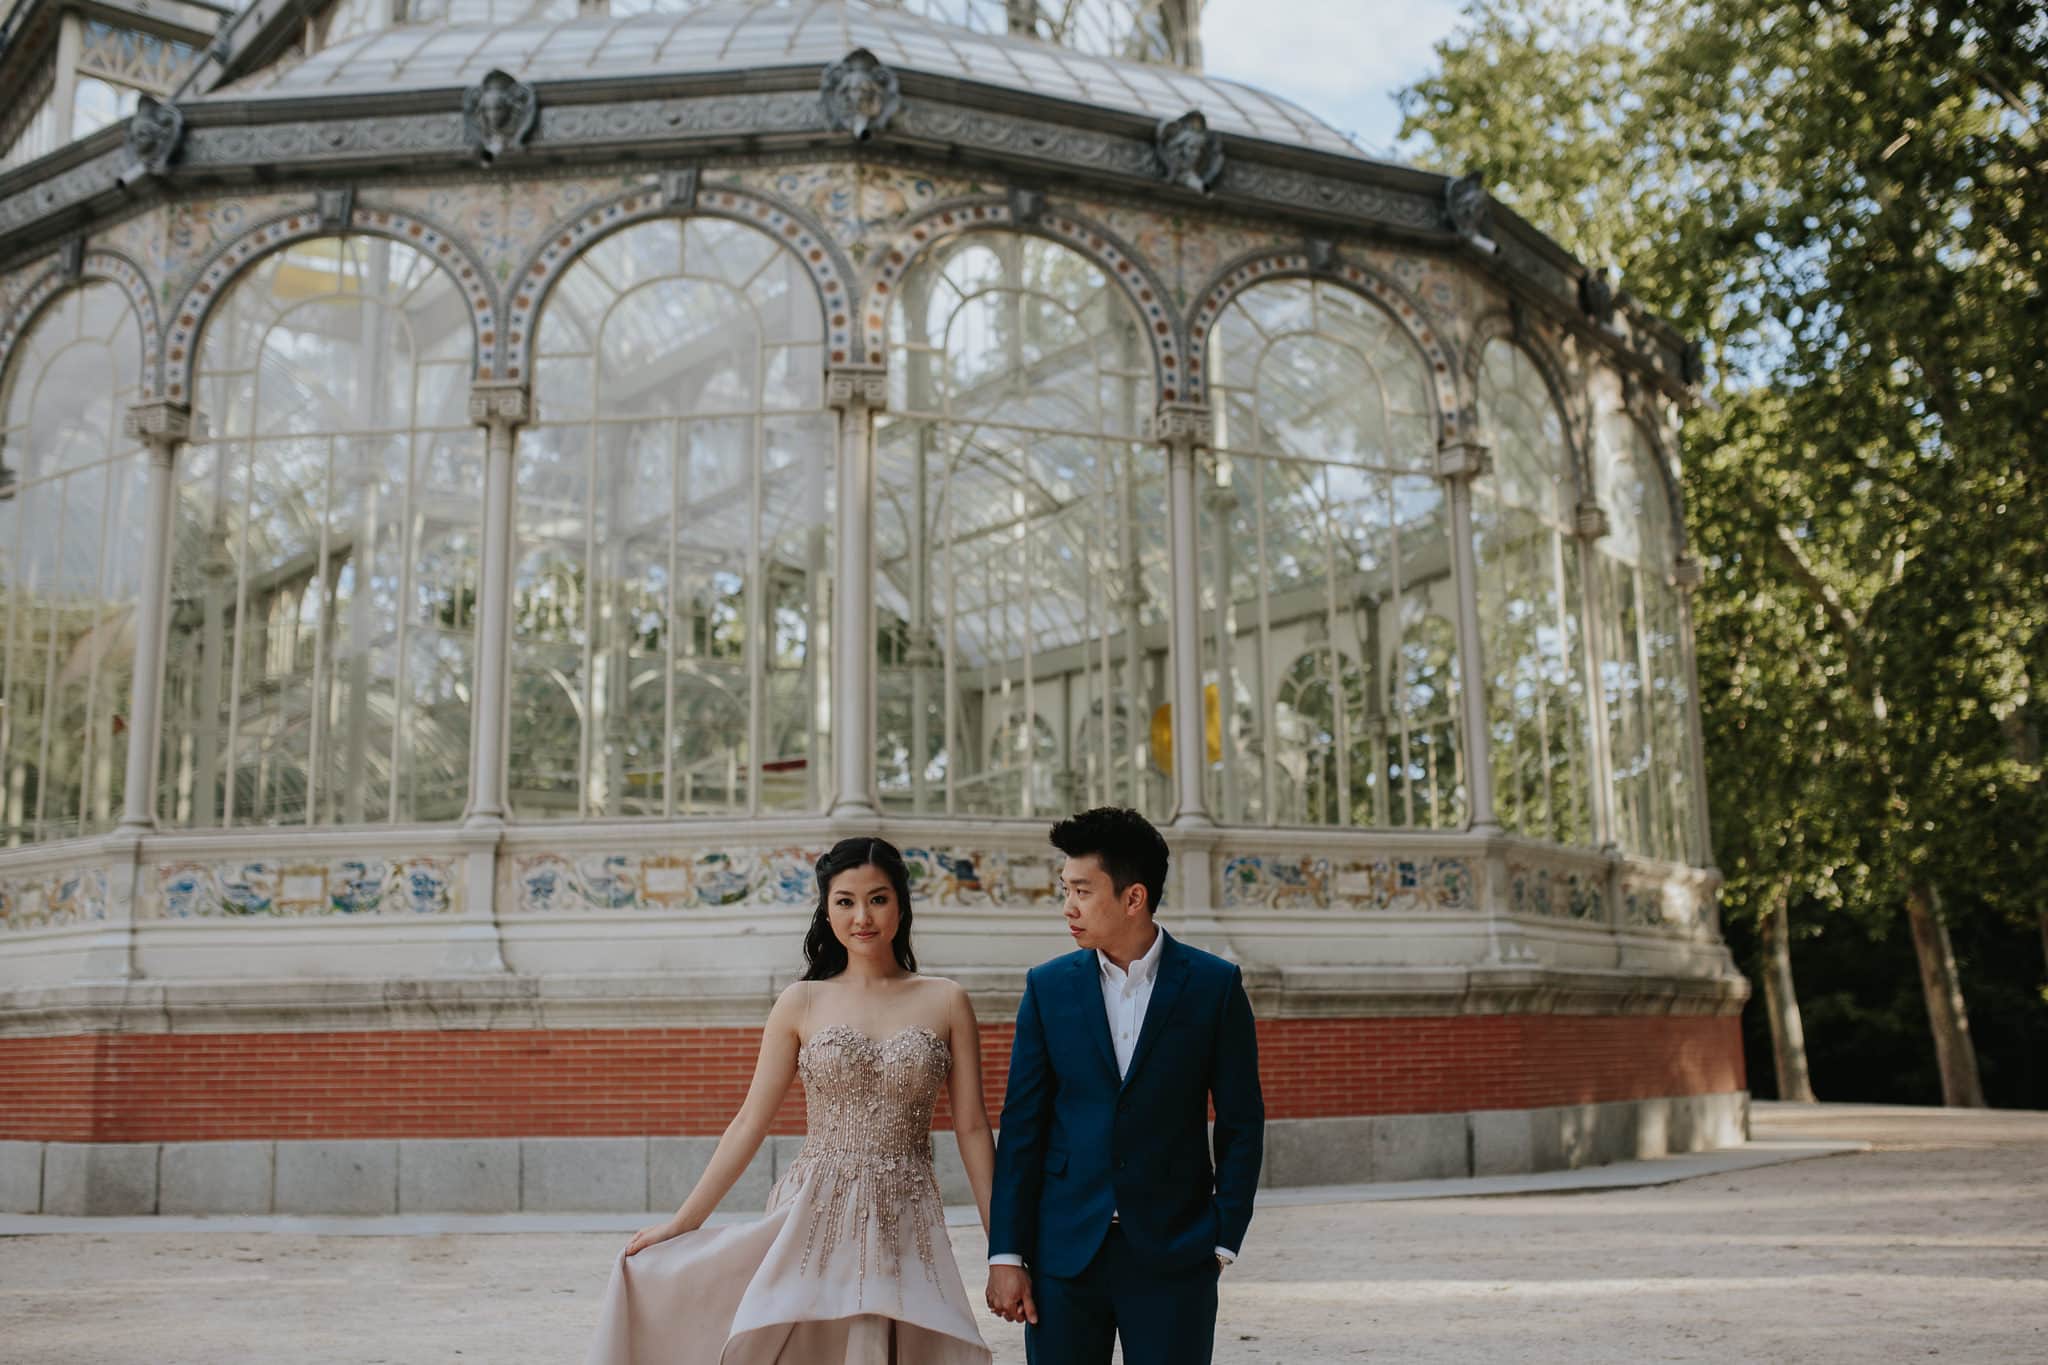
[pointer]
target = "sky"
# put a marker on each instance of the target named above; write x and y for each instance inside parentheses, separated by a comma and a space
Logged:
(1342, 60)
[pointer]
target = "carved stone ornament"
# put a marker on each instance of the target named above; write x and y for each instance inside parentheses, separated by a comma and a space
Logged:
(861, 95)
(679, 189)
(1189, 153)
(1180, 424)
(154, 131)
(500, 405)
(1322, 254)
(1596, 295)
(1462, 460)
(856, 386)
(1469, 209)
(337, 207)
(71, 259)
(498, 114)
(1026, 206)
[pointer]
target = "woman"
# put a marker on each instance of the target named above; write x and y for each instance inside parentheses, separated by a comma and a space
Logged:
(850, 1263)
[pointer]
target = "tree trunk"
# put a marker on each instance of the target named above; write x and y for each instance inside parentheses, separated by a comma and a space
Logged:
(1942, 987)
(2044, 943)
(1788, 1033)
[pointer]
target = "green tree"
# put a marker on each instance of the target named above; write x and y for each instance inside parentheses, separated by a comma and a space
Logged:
(1848, 202)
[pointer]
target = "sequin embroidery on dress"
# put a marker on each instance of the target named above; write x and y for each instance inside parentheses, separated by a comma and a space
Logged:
(868, 1154)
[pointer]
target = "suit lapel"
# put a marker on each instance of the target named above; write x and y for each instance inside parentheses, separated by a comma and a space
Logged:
(1173, 972)
(1087, 998)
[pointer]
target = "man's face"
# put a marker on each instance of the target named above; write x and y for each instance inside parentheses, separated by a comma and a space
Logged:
(1095, 913)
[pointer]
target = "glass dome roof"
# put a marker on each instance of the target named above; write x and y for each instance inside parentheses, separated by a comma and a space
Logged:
(755, 36)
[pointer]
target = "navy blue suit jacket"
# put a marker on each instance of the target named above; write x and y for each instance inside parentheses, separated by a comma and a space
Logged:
(1077, 1143)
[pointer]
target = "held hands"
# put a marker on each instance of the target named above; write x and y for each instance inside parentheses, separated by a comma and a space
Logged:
(659, 1232)
(1009, 1294)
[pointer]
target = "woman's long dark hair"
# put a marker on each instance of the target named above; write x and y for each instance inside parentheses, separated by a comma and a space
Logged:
(824, 954)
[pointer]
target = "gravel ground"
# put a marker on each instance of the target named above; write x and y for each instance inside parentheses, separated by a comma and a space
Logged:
(1933, 1245)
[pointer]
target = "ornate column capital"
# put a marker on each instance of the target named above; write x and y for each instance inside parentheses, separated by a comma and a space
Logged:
(159, 425)
(1181, 424)
(1589, 519)
(856, 386)
(1462, 458)
(1688, 573)
(502, 404)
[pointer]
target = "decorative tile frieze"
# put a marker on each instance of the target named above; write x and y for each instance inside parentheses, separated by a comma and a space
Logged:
(1308, 881)
(1652, 902)
(293, 888)
(570, 883)
(53, 898)
(1557, 890)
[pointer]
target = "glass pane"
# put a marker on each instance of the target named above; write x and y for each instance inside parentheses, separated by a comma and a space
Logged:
(673, 555)
(70, 552)
(1022, 649)
(323, 576)
(1529, 606)
(1327, 592)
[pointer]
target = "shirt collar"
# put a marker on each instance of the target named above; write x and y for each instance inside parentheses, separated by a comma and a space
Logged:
(1143, 969)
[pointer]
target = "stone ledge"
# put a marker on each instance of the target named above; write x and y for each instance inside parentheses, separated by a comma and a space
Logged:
(509, 1175)
(742, 1000)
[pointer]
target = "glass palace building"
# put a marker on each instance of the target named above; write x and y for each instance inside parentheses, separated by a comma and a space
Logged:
(489, 489)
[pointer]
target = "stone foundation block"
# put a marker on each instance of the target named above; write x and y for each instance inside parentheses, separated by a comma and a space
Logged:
(216, 1177)
(458, 1175)
(675, 1163)
(1419, 1147)
(337, 1177)
(583, 1175)
(21, 1177)
(99, 1177)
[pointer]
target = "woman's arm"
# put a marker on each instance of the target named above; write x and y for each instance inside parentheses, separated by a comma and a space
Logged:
(970, 1108)
(774, 1069)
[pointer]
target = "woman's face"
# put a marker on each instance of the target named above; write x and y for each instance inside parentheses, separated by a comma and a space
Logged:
(864, 912)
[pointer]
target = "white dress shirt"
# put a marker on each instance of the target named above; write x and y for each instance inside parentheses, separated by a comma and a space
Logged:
(1126, 994)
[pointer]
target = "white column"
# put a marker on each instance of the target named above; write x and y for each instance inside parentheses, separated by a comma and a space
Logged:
(1458, 463)
(1183, 428)
(1688, 577)
(162, 427)
(856, 393)
(501, 409)
(1590, 523)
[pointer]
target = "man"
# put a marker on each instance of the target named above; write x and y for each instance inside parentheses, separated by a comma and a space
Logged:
(1107, 1220)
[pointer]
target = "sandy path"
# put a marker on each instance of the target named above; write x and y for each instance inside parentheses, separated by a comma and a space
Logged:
(1936, 1245)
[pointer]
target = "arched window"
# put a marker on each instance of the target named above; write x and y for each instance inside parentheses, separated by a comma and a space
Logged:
(1324, 529)
(672, 554)
(323, 575)
(1529, 604)
(72, 512)
(1643, 672)
(1020, 532)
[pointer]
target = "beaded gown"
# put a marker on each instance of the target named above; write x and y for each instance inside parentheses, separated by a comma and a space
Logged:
(849, 1266)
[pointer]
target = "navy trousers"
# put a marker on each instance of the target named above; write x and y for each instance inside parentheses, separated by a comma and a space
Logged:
(1164, 1317)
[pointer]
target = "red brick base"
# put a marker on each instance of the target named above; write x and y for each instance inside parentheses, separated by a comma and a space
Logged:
(627, 1082)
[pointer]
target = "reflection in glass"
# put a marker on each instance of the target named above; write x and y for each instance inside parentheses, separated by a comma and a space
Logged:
(1326, 591)
(324, 554)
(71, 524)
(671, 562)
(1020, 539)
(1529, 603)
(1643, 672)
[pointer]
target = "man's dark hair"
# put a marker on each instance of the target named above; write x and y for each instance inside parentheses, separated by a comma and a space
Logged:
(1131, 851)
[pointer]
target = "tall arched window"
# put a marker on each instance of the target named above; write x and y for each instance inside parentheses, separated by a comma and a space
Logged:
(323, 575)
(71, 526)
(1529, 602)
(1020, 536)
(1324, 529)
(672, 555)
(1642, 669)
